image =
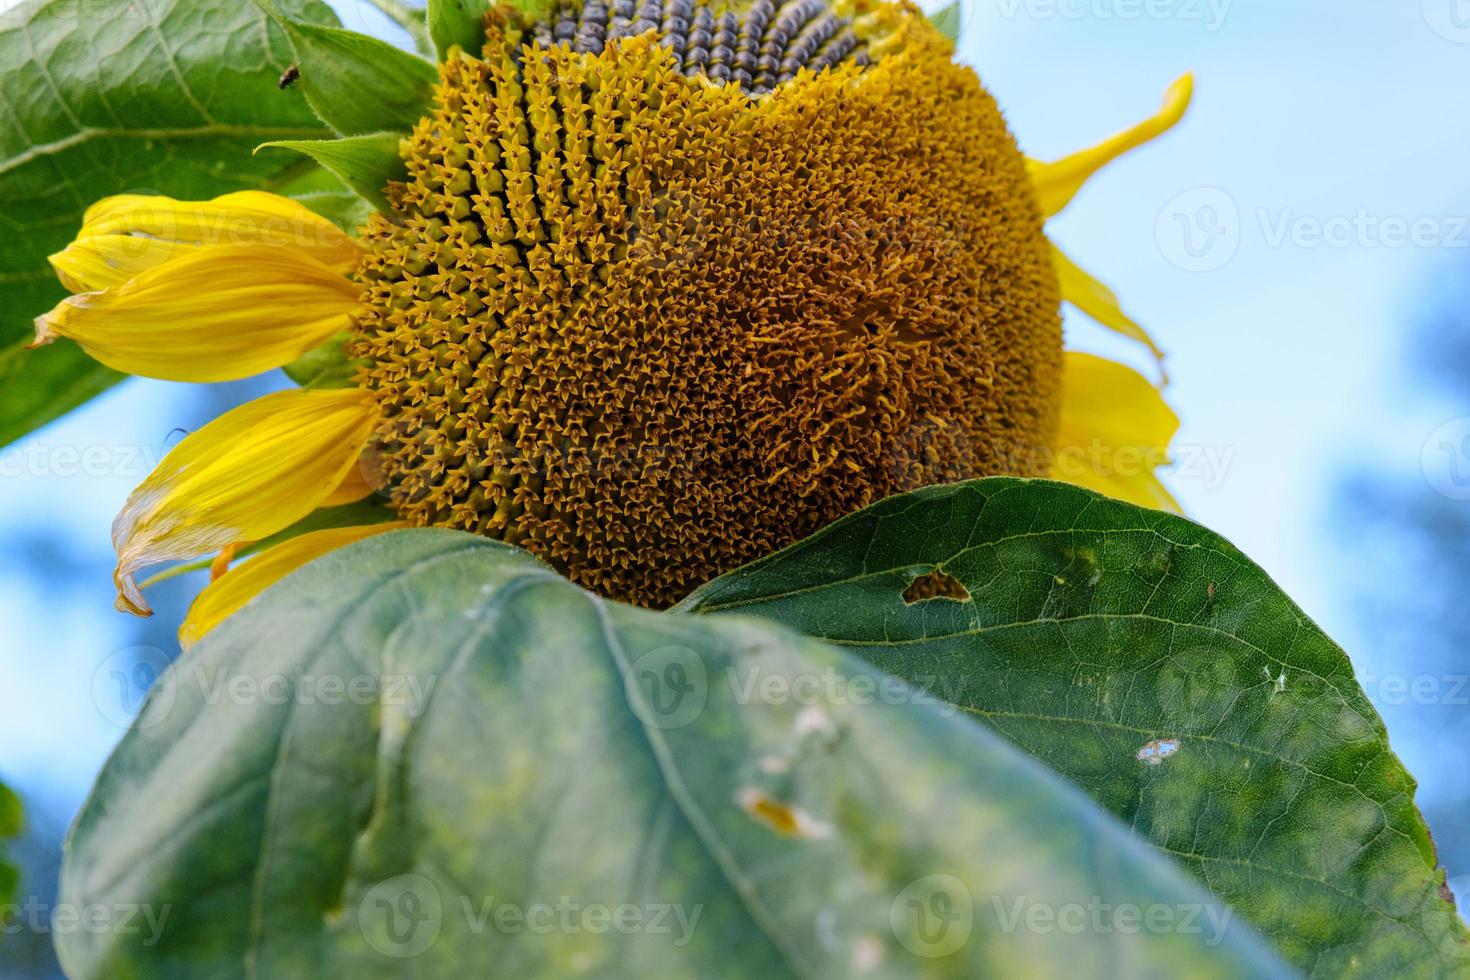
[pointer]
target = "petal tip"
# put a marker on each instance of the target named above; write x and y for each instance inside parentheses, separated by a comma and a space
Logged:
(45, 332)
(1180, 95)
(129, 596)
(130, 600)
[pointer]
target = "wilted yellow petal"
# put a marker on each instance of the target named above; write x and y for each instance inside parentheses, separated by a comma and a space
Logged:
(212, 314)
(226, 594)
(1090, 296)
(1115, 431)
(128, 234)
(1057, 183)
(244, 476)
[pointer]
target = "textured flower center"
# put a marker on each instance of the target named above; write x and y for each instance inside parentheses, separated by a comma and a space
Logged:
(650, 323)
(757, 47)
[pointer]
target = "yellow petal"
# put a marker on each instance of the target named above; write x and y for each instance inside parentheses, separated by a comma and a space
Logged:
(124, 235)
(211, 314)
(226, 594)
(244, 476)
(1057, 183)
(1090, 296)
(354, 487)
(1115, 430)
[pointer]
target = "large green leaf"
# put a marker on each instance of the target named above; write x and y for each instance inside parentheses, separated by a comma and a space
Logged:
(525, 766)
(1151, 663)
(165, 96)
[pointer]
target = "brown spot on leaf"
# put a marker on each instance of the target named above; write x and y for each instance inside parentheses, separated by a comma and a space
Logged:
(788, 820)
(937, 584)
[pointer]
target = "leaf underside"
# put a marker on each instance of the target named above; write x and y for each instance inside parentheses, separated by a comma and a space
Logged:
(544, 763)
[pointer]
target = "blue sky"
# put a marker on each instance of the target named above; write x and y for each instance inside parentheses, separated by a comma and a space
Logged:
(1323, 128)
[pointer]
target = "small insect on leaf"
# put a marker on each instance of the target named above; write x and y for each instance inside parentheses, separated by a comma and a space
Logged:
(287, 77)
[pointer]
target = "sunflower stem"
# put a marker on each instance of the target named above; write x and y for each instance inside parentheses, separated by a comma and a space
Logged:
(411, 19)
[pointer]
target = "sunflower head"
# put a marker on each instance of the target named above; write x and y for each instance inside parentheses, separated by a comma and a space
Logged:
(660, 296)
(666, 286)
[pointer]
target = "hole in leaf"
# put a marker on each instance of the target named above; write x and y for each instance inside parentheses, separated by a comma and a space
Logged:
(935, 585)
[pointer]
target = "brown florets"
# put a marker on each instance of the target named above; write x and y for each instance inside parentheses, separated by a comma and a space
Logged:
(650, 326)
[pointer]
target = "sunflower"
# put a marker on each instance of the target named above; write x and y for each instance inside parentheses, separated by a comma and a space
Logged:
(665, 288)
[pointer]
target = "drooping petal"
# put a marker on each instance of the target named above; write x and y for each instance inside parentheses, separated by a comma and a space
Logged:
(227, 593)
(1057, 183)
(1089, 295)
(1115, 431)
(211, 314)
(125, 235)
(244, 476)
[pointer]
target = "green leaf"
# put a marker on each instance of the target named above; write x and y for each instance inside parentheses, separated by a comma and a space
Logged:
(1094, 629)
(11, 820)
(161, 96)
(10, 813)
(344, 209)
(457, 23)
(512, 753)
(946, 20)
(355, 83)
(37, 386)
(327, 366)
(364, 163)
